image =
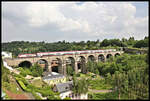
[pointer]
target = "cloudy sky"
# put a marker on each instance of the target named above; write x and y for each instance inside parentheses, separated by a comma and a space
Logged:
(73, 21)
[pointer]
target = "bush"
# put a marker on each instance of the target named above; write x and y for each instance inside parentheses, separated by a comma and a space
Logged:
(5, 78)
(24, 71)
(5, 74)
(36, 96)
(78, 75)
(5, 70)
(7, 85)
(23, 74)
(20, 78)
(36, 70)
(30, 86)
(22, 85)
(7, 97)
(53, 97)
(18, 75)
(99, 85)
(25, 88)
(28, 72)
(20, 69)
(28, 90)
(47, 93)
(69, 70)
(90, 95)
(97, 72)
(67, 98)
(104, 96)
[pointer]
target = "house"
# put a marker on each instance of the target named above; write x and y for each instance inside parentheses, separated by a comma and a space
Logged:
(54, 78)
(6, 55)
(65, 90)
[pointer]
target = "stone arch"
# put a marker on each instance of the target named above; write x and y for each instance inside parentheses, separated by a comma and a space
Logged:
(117, 54)
(101, 58)
(91, 58)
(25, 64)
(81, 61)
(70, 61)
(56, 65)
(43, 63)
(108, 56)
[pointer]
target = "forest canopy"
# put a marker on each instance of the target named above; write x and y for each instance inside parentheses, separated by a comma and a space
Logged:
(20, 47)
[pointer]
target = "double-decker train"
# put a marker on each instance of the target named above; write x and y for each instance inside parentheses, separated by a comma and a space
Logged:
(60, 53)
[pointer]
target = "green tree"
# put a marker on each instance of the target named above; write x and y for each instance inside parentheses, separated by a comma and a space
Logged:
(36, 70)
(105, 43)
(141, 43)
(69, 70)
(108, 78)
(80, 86)
(117, 82)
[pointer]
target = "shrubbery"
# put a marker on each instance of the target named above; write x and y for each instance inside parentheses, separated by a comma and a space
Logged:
(7, 85)
(67, 98)
(22, 85)
(78, 75)
(129, 73)
(103, 96)
(23, 74)
(36, 70)
(99, 85)
(5, 74)
(27, 70)
(20, 78)
(69, 70)
(36, 96)
(46, 91)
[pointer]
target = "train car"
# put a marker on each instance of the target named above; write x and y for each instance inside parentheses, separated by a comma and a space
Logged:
(74, 52)
(67, 53)
(113, 50)
(77, 52)
(46, 54)
(100, 51)
(88, 51)
(84, 52)
(26, 55)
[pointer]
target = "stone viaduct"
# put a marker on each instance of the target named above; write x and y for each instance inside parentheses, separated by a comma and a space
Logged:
(62, 61)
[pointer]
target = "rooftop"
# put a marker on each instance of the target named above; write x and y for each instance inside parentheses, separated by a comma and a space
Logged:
(63, 87)
(52, 76)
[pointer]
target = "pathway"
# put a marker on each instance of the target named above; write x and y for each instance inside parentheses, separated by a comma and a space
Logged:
(16, 96)
(100, 91)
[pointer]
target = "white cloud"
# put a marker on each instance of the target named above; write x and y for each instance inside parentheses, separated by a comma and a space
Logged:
(43, 13)
(91, 19)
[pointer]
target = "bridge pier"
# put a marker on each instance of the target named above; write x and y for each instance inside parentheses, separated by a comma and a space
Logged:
(49, 68)
(105, 58)
(64, 69)
(76, 67)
